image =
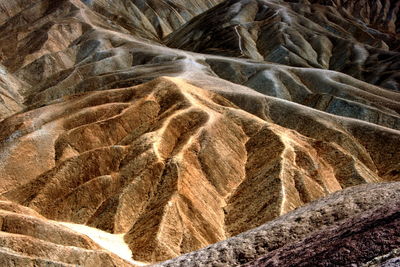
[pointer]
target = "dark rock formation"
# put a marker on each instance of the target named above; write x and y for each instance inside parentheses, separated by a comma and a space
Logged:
(302, 35)
(348, 227)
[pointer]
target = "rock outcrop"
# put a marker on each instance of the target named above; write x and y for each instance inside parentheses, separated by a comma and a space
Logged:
(352, 226)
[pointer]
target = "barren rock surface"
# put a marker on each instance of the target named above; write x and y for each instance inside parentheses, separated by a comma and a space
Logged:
(28, 239)
(298, 33)
(338, 230)
(167, 126)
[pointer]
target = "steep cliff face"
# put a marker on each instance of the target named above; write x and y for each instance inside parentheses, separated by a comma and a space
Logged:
(108, 132)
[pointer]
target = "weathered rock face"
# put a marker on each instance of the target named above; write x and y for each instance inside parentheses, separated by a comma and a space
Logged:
(152, 155)
(382, 14)
(167, 151)
(352, 241)
(352, 226)
(28, 239)
(10, 98)
(301, 34)
(152, 19)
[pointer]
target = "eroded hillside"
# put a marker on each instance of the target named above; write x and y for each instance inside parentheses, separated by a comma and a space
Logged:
(167, 126)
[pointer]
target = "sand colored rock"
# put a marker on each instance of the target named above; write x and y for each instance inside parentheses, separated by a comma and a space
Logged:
(152, 155)
(167, 126)
(28, 239)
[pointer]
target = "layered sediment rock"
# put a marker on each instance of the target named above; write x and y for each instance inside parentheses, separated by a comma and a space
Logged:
(165, 151)
(29, 239)
(146, 161)
(300, 34)
(381, 14)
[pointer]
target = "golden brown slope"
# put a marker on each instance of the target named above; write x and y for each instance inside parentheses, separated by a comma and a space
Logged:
(174, 166)
(28, 239)
(170, 164)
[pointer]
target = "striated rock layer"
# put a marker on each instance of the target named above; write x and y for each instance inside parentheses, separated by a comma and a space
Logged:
(381, 14)
(176, 167)
(29, 239)
(300, 34)
(108, 136)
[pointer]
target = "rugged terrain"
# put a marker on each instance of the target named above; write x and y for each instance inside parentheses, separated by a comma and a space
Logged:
(165, 126)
